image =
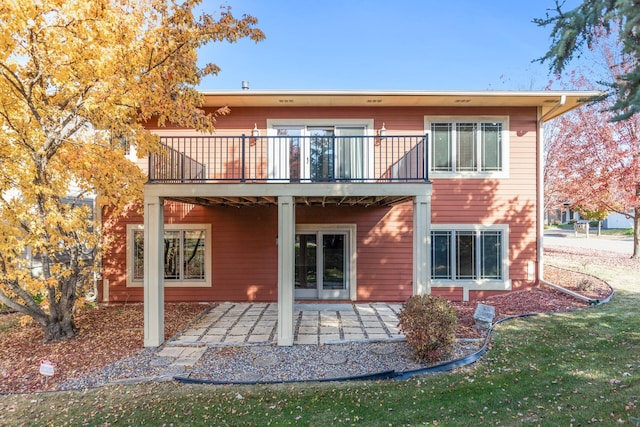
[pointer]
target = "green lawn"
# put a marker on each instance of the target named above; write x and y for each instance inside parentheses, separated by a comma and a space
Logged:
(617, 232)
(593, 229)
(575, 368)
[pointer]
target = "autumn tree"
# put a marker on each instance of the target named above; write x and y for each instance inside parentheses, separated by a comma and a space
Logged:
(598, 215)
(596, 160)
(576, 29)
(78, 79)
(553, 198)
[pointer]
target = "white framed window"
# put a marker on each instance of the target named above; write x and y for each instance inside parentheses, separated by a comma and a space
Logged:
(468, 146)
(474, 256)
(187, 255)
(320, 149)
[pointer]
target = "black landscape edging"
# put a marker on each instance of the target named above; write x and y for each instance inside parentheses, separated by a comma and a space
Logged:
(404, 375)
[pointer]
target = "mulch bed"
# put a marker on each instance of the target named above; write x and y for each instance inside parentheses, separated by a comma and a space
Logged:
(541, 299)
(107, 333)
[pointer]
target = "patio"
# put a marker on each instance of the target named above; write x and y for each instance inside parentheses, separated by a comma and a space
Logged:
(344, 339)
(237, 324)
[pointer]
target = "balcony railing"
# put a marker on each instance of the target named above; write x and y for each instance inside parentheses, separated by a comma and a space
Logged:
(202, 159)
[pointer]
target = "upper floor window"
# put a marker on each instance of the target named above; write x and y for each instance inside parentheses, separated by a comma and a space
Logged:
(468, 146)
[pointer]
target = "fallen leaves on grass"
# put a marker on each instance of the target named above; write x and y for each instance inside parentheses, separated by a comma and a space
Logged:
(585, 257)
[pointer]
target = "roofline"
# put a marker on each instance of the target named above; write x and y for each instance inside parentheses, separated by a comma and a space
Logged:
(339, 92)
(553, 103)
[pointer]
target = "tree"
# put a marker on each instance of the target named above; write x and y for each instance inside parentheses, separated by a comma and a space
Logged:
(585, 24)
(593, 215)
(553, 198)
(78, 80)
(596, 161)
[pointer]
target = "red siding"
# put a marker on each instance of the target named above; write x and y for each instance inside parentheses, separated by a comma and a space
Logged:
(244, 252)
(500, 201)
(384, 247)
(243, 255)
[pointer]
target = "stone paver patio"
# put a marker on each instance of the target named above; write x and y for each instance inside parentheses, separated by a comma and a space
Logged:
(256, 324)
(232, 324)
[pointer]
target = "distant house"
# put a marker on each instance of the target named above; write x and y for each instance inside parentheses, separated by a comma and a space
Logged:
(339, 196)
(566, 215)
(618, 220)
(35, 260)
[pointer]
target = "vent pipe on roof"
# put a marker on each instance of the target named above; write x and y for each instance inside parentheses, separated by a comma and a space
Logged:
(245, 85)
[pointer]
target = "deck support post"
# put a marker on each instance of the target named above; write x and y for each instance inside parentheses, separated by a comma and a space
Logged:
(421, 245)
(153, 271)
(286, 258)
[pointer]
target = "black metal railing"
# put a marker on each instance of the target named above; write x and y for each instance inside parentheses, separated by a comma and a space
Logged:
(191, 159)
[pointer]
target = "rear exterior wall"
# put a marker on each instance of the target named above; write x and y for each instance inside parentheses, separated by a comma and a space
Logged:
(244, 252)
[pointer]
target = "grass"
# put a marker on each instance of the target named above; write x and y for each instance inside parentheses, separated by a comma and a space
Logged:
(593, 230)
(617, 232)
(575, 368)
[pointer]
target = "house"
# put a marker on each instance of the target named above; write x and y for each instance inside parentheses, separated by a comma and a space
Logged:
(34, 260)
(618, 220)
(339, 196)
(565, 215)
(561, 215)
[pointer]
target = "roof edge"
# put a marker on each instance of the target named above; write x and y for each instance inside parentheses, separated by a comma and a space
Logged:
(355, 92)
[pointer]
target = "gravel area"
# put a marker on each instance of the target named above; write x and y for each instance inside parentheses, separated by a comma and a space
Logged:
(331, 361)
(135, 368)
(271, 363)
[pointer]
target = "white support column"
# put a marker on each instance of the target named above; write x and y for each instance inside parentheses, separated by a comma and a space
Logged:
(286, 255)
(153, 271)
(421, 245)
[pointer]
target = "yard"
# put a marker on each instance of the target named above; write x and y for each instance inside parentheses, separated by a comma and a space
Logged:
(577, 367)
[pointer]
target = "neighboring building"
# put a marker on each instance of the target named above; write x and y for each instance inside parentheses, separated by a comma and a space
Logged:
(339, 195)
(618, 220)
(87, 256)
(566, 215)
(562, 215)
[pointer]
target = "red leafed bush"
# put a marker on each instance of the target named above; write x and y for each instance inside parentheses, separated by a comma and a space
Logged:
(429, 323)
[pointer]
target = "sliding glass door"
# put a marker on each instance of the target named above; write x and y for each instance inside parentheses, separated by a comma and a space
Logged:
(321, 265)
(320, 153)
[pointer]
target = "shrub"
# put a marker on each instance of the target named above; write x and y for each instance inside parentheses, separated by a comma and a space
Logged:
(586, 285)
(429, 323)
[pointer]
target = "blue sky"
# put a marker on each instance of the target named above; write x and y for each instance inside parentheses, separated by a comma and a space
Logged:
(386, 45)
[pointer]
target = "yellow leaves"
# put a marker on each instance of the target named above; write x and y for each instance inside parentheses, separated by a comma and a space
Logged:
(51, 281)
(25, 321)
(75, 78)
(106, 61)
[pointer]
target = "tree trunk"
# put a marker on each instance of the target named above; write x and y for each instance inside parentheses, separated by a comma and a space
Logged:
(59, 324)
(636, 233)
(57, 329)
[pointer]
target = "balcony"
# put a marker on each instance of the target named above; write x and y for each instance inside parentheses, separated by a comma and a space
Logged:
(287, 159)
